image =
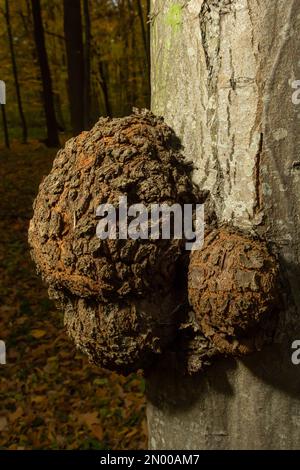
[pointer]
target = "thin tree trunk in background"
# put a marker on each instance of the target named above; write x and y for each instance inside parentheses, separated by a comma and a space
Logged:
(144, 32)
(39, 36)
(104, 87)
(145, 28)
(220, 77)
(135, 92)
(58, 112)
(15, 72)
(75, 59)
(124, 64)
(5, 127)
(87, 65)
(148, 4)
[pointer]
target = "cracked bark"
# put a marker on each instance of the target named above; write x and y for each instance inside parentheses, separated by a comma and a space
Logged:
(221, 77)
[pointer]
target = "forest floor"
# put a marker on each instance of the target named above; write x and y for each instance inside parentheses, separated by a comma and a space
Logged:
(50, 396)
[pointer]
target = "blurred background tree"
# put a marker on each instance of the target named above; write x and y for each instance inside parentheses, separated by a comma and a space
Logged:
(95, 63)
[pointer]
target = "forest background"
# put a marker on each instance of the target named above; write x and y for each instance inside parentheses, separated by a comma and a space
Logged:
(65, 63)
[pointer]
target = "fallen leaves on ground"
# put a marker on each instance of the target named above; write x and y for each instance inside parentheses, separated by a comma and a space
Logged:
(50, 396)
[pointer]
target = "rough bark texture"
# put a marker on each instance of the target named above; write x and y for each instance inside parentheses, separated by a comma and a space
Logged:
(132, 157)
(233, 290)
(221, 76)
(119, 294)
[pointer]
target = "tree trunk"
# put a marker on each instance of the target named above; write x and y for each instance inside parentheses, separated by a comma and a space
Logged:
(15, 72)
(87, 65)
(39, 36)
(144, 31)
(146, 41)
(75, 59)
(221, 77)
(5, 127)
(103, 70)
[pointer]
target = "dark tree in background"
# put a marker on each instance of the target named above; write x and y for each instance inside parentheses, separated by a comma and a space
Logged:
(87, 64)
(145, 34)
(5, 127)
(75, 60)
(52, 131)
(72, 61)
(15, 72)
(103, 79)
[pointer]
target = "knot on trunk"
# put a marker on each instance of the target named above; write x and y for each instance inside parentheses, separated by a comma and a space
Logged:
(233, 290)
(125, 298)
(118, 294)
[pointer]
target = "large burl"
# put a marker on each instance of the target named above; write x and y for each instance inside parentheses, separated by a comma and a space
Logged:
(126, 300)
(118, 295)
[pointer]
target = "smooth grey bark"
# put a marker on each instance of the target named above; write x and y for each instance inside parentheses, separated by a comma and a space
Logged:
(221, 76)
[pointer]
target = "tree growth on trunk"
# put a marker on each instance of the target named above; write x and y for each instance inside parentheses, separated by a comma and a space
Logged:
(221, 76)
